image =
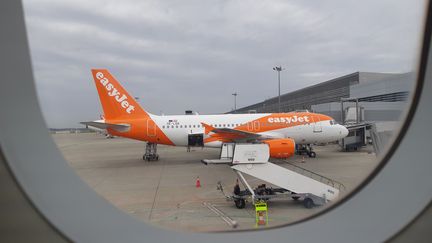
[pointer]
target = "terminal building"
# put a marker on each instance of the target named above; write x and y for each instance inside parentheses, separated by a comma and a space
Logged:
(358, 98)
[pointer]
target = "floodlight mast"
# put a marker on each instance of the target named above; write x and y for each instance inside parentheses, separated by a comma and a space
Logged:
(235, 102)
(278, 69)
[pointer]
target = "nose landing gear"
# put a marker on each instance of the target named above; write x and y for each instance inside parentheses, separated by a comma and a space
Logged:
(305, 149)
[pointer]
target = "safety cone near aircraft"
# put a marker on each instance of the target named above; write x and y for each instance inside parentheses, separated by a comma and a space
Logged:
(198, 183)
(261, 220)
(124, 117)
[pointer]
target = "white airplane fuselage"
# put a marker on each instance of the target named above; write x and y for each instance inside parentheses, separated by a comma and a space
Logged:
(178, 127)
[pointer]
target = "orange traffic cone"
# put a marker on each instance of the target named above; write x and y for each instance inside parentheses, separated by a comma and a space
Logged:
(261, 220)
(198, 183)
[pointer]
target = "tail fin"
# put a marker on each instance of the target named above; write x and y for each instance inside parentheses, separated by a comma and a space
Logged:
(116, 102)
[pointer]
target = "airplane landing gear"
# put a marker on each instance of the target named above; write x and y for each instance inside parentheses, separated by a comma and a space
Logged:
(306, 149)
(151, 152)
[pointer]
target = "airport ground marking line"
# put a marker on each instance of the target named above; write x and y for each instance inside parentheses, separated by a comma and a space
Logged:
(221, 214)
(157, 190)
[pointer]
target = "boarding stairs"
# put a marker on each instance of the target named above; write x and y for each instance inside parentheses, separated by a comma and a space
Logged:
(253, 160)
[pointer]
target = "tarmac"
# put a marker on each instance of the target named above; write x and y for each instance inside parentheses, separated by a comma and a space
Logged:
(164, 193)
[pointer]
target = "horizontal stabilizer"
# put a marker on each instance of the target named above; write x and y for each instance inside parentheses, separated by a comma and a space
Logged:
(104, 125)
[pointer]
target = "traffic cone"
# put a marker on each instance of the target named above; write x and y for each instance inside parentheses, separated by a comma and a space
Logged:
(303, 160)
(261, 220)
(198, 182)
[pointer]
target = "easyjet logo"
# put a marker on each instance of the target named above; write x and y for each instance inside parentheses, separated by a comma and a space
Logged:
(113, 92)
(288, 120)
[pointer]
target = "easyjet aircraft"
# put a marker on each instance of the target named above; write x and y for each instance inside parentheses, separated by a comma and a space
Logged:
(124, 117)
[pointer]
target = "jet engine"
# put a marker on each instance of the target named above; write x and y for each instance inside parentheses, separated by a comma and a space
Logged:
(281, 148)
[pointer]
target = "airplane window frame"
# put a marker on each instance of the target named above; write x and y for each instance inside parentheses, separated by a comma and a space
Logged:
(77, 212)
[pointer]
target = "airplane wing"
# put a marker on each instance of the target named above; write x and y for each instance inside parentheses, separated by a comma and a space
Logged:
(104, 125)
(230, 134)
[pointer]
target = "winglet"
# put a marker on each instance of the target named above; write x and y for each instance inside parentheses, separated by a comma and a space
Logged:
(207, 128)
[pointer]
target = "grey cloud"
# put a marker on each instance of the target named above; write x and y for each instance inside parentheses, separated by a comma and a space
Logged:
(178, 55)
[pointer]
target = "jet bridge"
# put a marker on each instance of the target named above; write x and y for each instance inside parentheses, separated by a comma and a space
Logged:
(252, 159)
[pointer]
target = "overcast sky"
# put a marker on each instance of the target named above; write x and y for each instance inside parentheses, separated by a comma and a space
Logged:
(193, 54)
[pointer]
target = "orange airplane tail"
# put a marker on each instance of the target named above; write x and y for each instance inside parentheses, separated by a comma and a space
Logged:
(116, 102)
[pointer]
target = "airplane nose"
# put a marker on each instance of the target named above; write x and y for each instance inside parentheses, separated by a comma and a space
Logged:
(343, 131)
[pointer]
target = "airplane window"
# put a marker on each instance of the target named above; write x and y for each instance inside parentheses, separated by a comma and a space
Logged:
(355, 70)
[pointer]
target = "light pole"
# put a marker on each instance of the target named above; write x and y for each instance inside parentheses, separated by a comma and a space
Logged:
(278, 69)
(235, 102)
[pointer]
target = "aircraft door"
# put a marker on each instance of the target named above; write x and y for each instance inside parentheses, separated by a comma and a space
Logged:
(256, 126)
(151, 128)
(250, 126)
(317, 127)
(196, 140)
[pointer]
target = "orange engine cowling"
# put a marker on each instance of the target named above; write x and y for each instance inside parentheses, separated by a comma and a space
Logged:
(281, 148)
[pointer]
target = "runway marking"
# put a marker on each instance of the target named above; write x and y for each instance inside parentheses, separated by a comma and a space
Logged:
(221, 214)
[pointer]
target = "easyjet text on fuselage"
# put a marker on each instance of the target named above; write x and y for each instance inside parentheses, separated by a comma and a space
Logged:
(289, 119)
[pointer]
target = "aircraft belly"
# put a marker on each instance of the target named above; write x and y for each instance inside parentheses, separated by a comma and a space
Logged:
(215, 144)
(304, 134)
(179, 139)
